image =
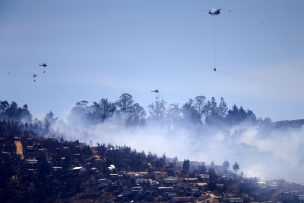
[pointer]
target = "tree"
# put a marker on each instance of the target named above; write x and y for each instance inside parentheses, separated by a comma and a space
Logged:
(125, 102)
(128, 111)
(43, 166)
(236, 167)
(80, 108)
(94, 113)
(3, 106)
(242, 114)
(186, 166)
(200, 106)
(174, 115)
(237, 115)
(202, 168)
(11, 111)
(213, 106)
(190, 113)
(267, 121)
(222, 109)
(79, 113)
(212, 165)
(107, 109)
(232, 114)
(24, 114)
(250, 116)
(99, 112)
(157, 111)
(212, 112)
(136, 115)
(212, 179)
(226, 165)
(212, 174)
(49, 120)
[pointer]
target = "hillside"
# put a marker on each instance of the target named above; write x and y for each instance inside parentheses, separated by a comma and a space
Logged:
(38, 169)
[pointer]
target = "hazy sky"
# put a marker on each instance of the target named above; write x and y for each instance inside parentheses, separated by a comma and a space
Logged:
(97, 49)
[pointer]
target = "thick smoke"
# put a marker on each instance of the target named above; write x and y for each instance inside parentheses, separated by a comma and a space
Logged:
(262, 152)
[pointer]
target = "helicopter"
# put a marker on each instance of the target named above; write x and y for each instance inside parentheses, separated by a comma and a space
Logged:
(44, 65)
(155, 91)
(214, 11)
(34, 76)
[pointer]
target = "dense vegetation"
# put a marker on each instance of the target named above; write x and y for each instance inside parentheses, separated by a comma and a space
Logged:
(11, 111)
(197, 111)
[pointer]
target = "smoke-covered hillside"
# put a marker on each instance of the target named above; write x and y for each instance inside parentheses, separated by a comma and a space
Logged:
(38, 169)
(200, 130)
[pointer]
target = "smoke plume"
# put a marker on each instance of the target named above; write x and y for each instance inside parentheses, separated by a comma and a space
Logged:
(262, 152)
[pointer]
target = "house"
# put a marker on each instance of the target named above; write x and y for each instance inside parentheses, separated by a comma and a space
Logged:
(142, 173)
(32, 171)
(114, 176)
(182, 199)
(138, 174)
(153, 182)
(103, 182)
(170, 180)
(300, 198)
(157, 175)
(167, 191)
(78, 169)
(204, 176)
(165, 188)
(111, 167)
(137, 190)
(140, 181)
(194, 191)
(202, 185)
(235, 199)
(56, 168)
(32, 163)
(220, 186)
(190, 180)
(171, 172)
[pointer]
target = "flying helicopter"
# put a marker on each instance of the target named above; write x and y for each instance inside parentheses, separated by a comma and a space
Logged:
(215, 11)
(44, 65)
(155, 91)
(34, 76)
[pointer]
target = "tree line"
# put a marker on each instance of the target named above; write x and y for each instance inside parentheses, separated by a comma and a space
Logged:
(12, 112)
(197, 111)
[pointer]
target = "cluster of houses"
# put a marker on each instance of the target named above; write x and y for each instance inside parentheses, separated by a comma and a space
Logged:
(106, 181)
(165, 186)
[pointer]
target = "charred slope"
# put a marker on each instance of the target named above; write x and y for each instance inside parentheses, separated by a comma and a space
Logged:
(38, 169)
